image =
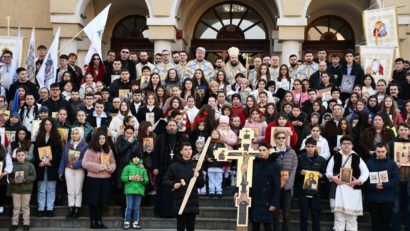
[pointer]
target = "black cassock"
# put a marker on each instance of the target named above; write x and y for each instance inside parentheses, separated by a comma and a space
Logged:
(163, 158)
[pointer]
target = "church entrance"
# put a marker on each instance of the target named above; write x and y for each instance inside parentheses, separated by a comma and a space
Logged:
(231, 24)
(132, 32)
(331, 33)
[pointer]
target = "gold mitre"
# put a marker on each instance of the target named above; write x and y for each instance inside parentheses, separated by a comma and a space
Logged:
(233, 52)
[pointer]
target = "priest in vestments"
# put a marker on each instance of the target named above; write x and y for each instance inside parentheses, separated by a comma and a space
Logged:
(168, 146)
(346, 200)
(233, 66)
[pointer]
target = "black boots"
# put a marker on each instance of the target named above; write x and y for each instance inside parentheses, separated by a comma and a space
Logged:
(76, 212)
(70, 212)
(101, 225)
(93, 224)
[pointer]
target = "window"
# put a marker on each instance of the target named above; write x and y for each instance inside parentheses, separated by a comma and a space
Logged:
(230, 21)
(329, 28)
(131, 27)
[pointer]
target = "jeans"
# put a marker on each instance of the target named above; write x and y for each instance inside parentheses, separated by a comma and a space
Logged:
(311, 204)
(381, 213)
(46, 193)
(133, 207)
(215, 180)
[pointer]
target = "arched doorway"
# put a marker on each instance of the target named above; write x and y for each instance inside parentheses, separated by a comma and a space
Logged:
(132, 32)
(331, 33)
(231, 24)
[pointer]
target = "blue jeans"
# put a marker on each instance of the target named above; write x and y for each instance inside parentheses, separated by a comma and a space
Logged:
(307, 204)
(46, 193)
(133, 207)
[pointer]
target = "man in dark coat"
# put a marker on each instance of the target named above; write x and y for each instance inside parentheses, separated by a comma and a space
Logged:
(309, 199)
(176, 179)
(167, 148)
(265, 189)
(56, 102)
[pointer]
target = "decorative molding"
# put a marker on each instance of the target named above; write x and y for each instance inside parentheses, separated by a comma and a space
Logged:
(403, 19)
(291, 21)
(66, 18)
(161, 21)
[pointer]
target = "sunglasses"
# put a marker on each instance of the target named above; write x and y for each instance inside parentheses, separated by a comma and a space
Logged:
(280, 138)
(96, 59)
(125, 52)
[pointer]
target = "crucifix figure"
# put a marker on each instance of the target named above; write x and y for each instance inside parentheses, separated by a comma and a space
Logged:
(245, 156)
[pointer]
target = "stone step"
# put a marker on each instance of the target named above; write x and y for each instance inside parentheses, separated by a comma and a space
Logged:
(151, 224)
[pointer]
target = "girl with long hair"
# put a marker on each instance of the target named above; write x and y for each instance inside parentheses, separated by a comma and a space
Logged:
(96, 68)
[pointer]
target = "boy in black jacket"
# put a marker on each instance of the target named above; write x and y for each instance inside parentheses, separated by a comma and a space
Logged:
(311, 168)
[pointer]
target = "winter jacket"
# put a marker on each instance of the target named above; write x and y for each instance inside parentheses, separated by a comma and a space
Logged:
(125, 151)
(52, 171)
(92, 163)
(228, 137)
(134, 187)
(289, 162)
(82, 147)
(316, 163)
(265, 189)
(183, 169)
(210, 155)
(29, 178)
(389, 191)
(88, 129)
(260, 127)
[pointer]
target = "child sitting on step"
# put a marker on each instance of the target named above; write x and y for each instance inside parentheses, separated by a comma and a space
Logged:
(21, 185)
(135, 177)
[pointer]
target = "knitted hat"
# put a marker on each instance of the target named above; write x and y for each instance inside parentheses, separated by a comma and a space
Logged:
(224, 119)
(43, 109)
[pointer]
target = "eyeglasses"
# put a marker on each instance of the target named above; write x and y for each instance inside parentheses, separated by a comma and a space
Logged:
(164, 54)
(96, 58)
(310, 146)
(125, 52)
(347, 144)
(280, 138)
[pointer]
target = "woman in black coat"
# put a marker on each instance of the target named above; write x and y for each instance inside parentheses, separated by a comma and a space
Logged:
(265, 191)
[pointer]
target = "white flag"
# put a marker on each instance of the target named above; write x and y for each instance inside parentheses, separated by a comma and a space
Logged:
(48, 70)
(90, 53)
(15, 62)
(95, 29)
(31, 56)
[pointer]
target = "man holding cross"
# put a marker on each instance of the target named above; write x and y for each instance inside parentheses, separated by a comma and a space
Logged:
(177, 178)
(265, 189)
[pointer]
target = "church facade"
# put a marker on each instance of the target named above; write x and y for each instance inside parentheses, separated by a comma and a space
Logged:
(256, 27)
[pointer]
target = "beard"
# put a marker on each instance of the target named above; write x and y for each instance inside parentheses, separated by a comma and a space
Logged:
(172, 132)
(293, 64)
(234, 63)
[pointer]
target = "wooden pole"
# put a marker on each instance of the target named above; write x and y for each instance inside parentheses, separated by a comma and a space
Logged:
(193, 179)
(69, 41)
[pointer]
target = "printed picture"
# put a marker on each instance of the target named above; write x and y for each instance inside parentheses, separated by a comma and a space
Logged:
(105, 160)
(377, 61)
(122, 93)
(384, 176)
(44, 153)
(325, 94)
(150, 117)
(374, 177)
(380, 26)
(35, 125)
(114, 77)
(11, 136)
(148, 144)
(54, 114)
(346, 175)
(284, 176)
(3, 136)
(379, 177)
(347, 83)
(288, 133)
(63, 133)
(144, 81)
(73, 156)
(1, 166)
(18, 175)
(311, 181)
(4, 114)
(401, 153)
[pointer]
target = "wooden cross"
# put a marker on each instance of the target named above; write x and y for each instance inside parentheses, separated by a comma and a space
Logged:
(245, 156)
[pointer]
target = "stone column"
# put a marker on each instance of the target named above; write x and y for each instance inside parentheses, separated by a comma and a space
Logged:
(160, 45)
(162, 31)
(290, 47)
(291, 35)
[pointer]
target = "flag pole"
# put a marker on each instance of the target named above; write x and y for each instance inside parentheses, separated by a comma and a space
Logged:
(69, 41)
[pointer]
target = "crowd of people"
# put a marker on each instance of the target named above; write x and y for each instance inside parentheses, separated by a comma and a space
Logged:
(324, 128)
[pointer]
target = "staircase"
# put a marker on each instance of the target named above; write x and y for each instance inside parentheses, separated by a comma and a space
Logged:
(215, 214)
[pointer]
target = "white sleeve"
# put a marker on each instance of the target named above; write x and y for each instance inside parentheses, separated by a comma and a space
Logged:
(329, 168)
(325, 150)
(364, 172)
(9, 164)
(302, 146)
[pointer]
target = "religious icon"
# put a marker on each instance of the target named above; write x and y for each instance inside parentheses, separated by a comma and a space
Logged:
(380, 27)
(19, 176)
(35, 125)
(325, 94)
(379, 177)
(284, 176)
(1, 166)
(63, 134)
(347, 83)
(384, 176)
(346, 175)
(401, 153)
(122, 93)
(105, 160)
(148, 144)
(54, 114)
(114, 77)
(150, 117)
(73, 156)
(378, 61)
(44, 153)
(11, 136)
(144, 81)
(374, 177)
(311, 180)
